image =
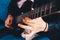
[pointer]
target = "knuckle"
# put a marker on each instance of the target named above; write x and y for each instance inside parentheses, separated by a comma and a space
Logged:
(5, 25)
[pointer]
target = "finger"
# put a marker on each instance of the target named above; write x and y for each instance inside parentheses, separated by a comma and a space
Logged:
(23, 35)
(25, 27)
(28, 36)
(7, 26)
(28, 23)
(10, 22)
(27, 19)
(7, 23)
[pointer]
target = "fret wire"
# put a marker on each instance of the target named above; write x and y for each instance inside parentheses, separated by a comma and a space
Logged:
(45, 9)
(41, 12)
(34, 15)
(38, 12)
(32, 11)
(42, 9)
(50, 8)
(35, 11)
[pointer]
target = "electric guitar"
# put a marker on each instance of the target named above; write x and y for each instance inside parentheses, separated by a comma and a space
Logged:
(42, 11)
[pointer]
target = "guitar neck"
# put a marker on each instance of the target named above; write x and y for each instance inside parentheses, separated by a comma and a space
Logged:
(45, 13)
(42, 11)
(45, 10)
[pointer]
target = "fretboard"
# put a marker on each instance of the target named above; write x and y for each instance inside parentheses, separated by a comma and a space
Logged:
(42, 11)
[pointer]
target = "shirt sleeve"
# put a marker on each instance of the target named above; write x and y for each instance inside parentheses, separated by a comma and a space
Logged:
(12, 8)
(54, 27)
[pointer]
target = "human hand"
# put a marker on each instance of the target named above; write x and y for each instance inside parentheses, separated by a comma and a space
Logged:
(34, 25)
(8, 21)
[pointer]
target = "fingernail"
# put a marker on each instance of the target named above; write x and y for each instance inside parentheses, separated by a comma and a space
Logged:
(19, 24)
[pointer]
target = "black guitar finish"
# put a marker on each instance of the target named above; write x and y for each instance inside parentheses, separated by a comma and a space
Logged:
(42, 11)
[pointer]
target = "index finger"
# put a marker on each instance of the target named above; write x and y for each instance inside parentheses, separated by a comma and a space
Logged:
(25, 27)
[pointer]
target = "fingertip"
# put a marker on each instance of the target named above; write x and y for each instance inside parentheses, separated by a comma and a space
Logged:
(23, 20)
(19, 25)
(7, 26)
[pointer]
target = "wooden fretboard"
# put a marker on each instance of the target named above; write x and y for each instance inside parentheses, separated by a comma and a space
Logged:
(42, 11)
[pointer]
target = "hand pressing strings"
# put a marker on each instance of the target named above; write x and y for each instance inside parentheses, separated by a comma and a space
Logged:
(34, 25)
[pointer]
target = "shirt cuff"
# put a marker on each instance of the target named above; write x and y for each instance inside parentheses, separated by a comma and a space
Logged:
(53, 27)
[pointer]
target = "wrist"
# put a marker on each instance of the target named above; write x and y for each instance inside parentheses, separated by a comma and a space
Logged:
(46, 28)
